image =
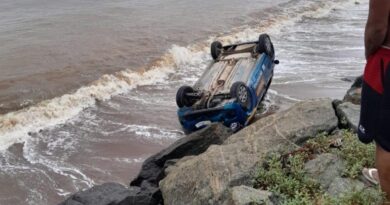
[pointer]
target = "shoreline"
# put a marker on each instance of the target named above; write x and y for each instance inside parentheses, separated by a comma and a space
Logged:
(163, 172)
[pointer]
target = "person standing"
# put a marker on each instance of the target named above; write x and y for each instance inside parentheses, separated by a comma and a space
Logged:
(375, 103)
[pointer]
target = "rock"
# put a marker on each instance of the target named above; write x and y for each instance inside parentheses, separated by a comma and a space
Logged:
(208, 177)
(348, 79)
(106, 194)
(170, 166)
(243, 195)
(149, 194)
(194, 144)
(354, 93)
(339, 186)
(325, 169)
(153, 169)
(349, 115)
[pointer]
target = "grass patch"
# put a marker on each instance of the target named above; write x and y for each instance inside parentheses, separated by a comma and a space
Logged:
(284, 175)
(356, 155)
(365, 197)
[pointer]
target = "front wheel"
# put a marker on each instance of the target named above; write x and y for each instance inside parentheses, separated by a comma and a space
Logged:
(182, 98)
(265, 46)
(241, 92)
(216, 49)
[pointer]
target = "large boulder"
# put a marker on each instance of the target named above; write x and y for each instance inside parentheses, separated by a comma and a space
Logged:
(208, 178)
(349, 115)
(106, 194)
(193, 144)
(153, 169)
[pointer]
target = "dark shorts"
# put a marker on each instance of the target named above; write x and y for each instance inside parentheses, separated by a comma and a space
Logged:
(375, 104)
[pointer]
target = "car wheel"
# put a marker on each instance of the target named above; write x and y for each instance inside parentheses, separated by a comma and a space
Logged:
(182, 100)
(241, 92)
(216, 49)
(265, 45)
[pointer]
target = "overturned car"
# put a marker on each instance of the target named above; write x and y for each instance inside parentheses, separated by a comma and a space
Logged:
(231, 87)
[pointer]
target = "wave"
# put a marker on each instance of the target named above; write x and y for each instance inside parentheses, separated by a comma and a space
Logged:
(16, 126)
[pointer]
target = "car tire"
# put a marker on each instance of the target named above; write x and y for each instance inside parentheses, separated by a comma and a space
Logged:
(265, 45)
(241, 92)
(216, 49)
(182, 100)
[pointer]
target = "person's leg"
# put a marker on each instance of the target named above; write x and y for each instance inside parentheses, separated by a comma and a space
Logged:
(383, 166)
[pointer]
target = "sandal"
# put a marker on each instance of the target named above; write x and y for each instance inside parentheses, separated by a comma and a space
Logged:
(371, 175)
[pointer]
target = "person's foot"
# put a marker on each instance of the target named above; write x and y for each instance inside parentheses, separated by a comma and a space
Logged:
(371, 175)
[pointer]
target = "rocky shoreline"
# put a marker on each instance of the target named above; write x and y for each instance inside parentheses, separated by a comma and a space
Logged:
(215, 166)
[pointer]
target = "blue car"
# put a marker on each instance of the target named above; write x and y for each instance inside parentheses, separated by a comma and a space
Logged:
(231, 88)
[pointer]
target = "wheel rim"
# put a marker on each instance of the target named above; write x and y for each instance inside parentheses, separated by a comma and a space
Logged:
(242, 94)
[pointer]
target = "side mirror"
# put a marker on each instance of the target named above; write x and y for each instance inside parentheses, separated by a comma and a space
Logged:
(276, 62)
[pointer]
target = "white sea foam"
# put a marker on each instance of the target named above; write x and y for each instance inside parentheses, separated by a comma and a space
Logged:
(32, 156)
(129, 160)
(153, 132)
(296, 81)
(274, 92)
(146, 132)
(288, 16)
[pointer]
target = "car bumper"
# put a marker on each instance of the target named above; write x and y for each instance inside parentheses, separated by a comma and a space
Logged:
(231, 115)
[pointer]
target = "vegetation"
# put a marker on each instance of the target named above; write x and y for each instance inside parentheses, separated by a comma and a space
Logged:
(356, 155)
(284, 175)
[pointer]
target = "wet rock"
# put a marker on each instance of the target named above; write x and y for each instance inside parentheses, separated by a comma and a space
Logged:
(153, 169)
(106, 194)
(354, 93)
(209, 177)
(349, 115)
(325, 169)
(194, 144)
(348, 79)
(149, 194)
(243, 195)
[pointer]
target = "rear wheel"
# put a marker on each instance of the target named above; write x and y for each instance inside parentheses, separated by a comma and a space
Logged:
(241, 92)
(182, 99)
(265, 45)
(216, 49)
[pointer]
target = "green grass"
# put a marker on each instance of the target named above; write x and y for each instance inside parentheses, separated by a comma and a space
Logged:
(284, 175)
(365, 197)
(286, 178)
(356, 155)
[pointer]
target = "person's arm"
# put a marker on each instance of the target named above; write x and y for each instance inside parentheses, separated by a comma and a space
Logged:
(377, 25)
